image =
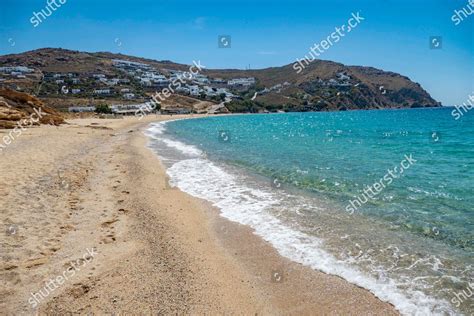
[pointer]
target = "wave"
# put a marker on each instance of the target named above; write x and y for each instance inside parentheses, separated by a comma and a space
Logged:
(247, 205)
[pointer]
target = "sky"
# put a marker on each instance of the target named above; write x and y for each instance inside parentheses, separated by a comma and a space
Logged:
(394, 35)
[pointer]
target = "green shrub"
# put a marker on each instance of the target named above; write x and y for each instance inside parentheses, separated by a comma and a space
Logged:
(103, 109)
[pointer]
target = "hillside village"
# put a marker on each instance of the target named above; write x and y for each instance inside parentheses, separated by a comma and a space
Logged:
(133, 81)
(77, 81)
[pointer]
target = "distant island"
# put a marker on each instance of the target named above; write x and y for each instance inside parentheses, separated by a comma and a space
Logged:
(69, 80)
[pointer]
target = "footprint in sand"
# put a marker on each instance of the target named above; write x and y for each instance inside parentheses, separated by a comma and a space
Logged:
(108, 223)
(32, 263)
(109, 231)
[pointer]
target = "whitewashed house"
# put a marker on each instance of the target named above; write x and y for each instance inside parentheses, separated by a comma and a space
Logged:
(193, 90)
(79, 109)
(102, 91)
(129, 96)
(244, 82)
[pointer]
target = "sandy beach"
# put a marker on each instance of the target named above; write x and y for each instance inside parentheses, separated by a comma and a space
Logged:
(88, 206)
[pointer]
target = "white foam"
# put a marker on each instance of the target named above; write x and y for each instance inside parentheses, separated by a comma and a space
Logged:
(201, 178)
(185, 149)
(156, 131)
(240, 203)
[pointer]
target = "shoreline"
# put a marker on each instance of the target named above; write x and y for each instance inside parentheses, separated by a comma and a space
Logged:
(159, 249)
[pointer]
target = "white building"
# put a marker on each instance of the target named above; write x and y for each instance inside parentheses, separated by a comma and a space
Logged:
(224, 91)
(110, 82)
(117, 107)
(209, 91)
(183, 90)
(102, 91)
(201, 79)
(193, 90)
(20, 69)
(245, 82)
(121, 63)
(161, 82)
(129, 96)
(343, 76)
(78, 109)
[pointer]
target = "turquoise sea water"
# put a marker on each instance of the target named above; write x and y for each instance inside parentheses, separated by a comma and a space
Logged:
(292, 176)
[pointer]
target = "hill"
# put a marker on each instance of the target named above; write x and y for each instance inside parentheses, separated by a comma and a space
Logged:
(60, 75)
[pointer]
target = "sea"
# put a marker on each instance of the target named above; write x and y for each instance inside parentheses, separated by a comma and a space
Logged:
(301, 180)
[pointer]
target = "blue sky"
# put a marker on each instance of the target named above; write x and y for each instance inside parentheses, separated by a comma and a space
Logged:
(394, 35)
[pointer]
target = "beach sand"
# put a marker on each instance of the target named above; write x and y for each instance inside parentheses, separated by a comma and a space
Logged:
(93, 187)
